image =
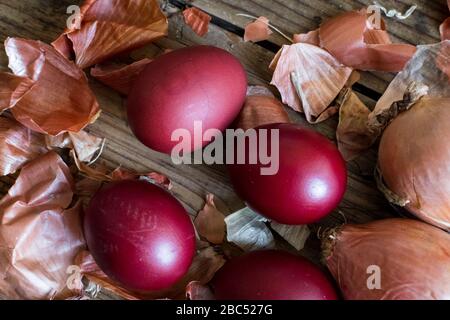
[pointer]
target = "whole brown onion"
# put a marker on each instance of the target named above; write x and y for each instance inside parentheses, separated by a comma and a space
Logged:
(412, 259)
(414, 160)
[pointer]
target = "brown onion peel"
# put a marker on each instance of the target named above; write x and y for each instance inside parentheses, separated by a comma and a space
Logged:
(12, 88)
(131, 23)
(210, 222)
(312, 92)
(379, 121)
(18, 145)
(350, 38)
(257, 30)
(40, 231)
(260, 108)
(102, 174)
(197, 20)
(411, 258)
(60, 99)
(119, 77)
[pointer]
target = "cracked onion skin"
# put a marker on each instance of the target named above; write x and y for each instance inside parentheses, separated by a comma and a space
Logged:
(139, 235)
(413, 259)
(201, 83)
(310, 182)
(414, 158)
(271, 275)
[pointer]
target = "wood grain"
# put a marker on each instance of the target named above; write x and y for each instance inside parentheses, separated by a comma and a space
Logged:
(44, 20)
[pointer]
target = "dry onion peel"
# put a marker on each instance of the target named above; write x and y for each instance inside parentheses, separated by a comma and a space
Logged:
(445, 27)
(249, 231)
(60, 99)
(313, 91)
(18, 145)
(119, 77)
(12, 88)
(39, 234)
(296, 236)
(258, 30)
(196, 291)
(210, 222)
(352, 134)
(260, 108)
(311, 37)
(393, 259)
(109, 28)
(345, 37)
(197, 20)
(86, 146)
(102, 174)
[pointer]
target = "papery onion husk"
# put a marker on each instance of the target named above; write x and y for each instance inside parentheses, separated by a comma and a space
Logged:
(196, 291)
(352, 41)
(119, 77)
(248, 230)
(309, 79)
(260, 108)
(311, 37)
(445, 29)
(353, 135)
(86, 145)
(198, 20)
(257, 30)
(210, 222)
(40, 233)
(109, 28)
(12, 88)
(414, 159)
(18, 145)
(411, 258)
(60, 99)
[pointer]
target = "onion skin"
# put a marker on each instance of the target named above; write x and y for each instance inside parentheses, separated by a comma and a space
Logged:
(414, 260)
(310, 183)
(200, 83)
(260, 110)
(139, 235)
(272, 275)
(414, 159)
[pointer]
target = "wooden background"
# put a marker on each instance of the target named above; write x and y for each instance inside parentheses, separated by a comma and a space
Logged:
(45, 19)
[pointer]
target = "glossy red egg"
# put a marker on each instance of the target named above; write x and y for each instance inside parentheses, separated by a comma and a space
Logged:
(272, 275)
(139, 235)
(202, 83)
(310, 182)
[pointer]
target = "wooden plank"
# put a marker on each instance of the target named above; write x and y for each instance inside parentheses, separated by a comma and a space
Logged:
(302, 16)
(44, 20)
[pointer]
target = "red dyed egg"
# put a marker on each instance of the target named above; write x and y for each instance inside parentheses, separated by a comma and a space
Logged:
(310, 182)
(271, 275)
(202, 83)
(139, 235)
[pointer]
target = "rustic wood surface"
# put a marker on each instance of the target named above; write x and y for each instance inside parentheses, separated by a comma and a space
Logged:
(45, 20)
